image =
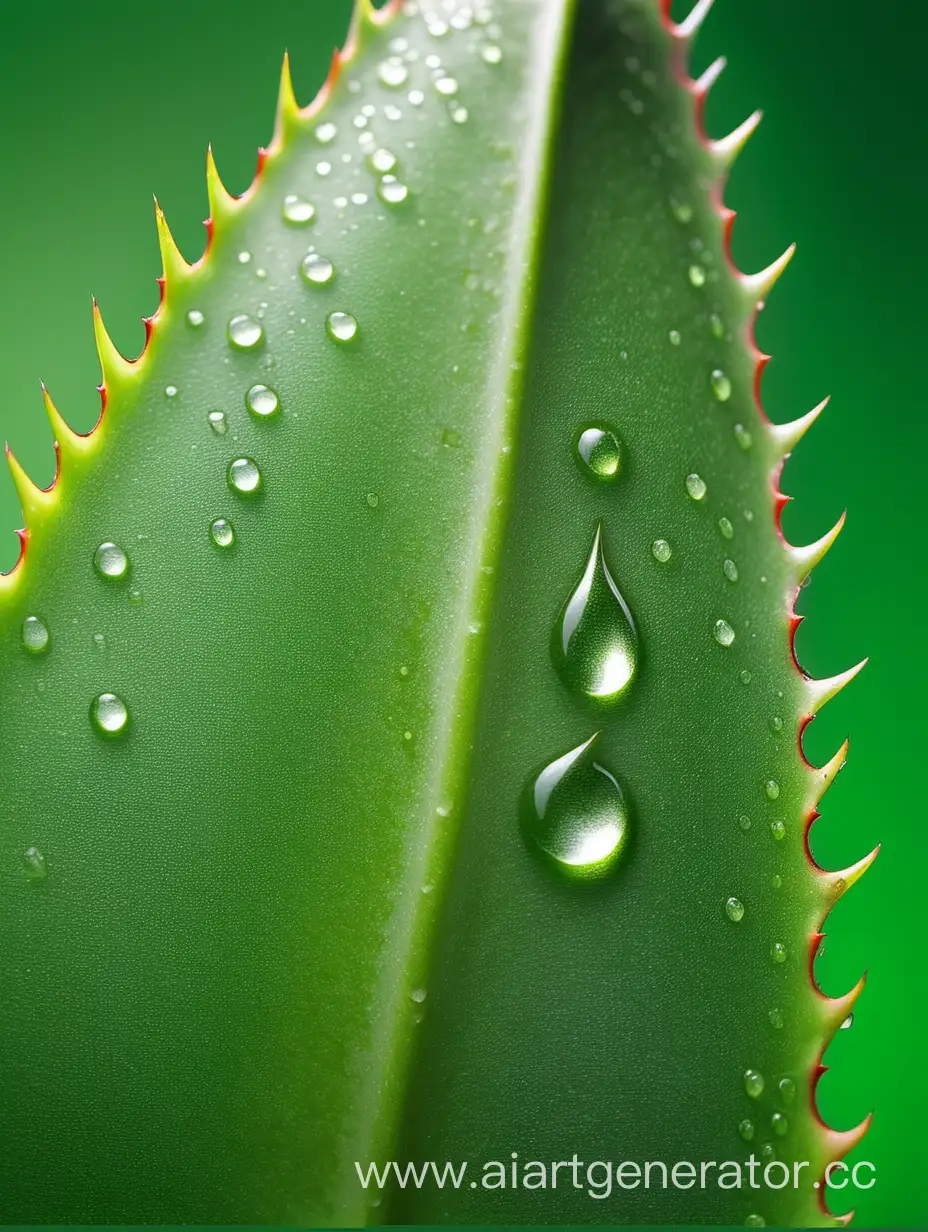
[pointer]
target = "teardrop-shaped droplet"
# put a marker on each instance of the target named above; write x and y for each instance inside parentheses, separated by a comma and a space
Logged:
(110, 561)
(599, 451)
(576, 813)
(218, 422)
(262, 401)
(661, 550)
(721, 385)
(36, 637)
(778, 952)
(245, 333)
(723, 632)
(787, 1089)
(848, 1023)
(36, 864)
(754, 1083)
(695, 487)
(755, 1221)
(595, 645)
(222, 532)
(780, 1125)
(734, 909)
(341, 326)
(316, 269)
(109, 714)
(244, 476)
(746, 1129)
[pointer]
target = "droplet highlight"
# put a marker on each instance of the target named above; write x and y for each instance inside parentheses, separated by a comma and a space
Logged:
(597, 448)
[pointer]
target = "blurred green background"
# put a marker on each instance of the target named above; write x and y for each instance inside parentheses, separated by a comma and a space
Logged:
(104, 103)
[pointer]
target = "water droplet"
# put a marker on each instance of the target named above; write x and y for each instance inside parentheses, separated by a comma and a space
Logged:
(383, 161)
(746, 1129)
(767, 1152)
(323, 168)
(744, 822)
(775, 1018)
(697, 275)
(776, 881)
(777, 829)
(222, 533)
(771, 789)
(195, 318)
(391, 191)
(776, 723)
(717, 325)
(682, 210)
(780, 1127)
(450, 438)
(135, 595)
(576, 813)
(597, 447)
(787, 1089)
(726, 528)
(317, 270)
(218, 422)
(778, 952)
(491, 54)
(754, 1083)
(243, 475)
(595, 645)
(372, 499)
(110, 561)
(99, 641)
(755, 1221)
(734, 909)
(696, 487)
(244, 332)
(721, 385)
(298, 211)
(393, 72)
(35, 635)
(745, 676)
(418, 995)
(848, 1023)
(262, 401)
(661, 550)
(446, 86)
(326, 133)
(723, 632)
(416, 98)
(108, 714)
(743, 436)
(36, 864)
(675, 337)
(341, 327)
(730, 569)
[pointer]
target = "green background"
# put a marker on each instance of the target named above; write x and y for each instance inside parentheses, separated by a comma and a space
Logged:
(104, 103)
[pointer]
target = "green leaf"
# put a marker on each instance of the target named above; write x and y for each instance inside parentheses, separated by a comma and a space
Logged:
(338, 574)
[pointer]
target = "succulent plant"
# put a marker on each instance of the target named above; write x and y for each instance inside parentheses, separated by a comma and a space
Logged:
(402, 736)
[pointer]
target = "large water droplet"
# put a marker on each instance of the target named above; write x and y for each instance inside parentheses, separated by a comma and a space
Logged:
(576, 813)
(110, 561)
(734, 909)
(595, 645)
(316, 270)
(661, 550)
(723, 632)
(244, 332)
(341, 326)
(391, 191)
(35, 635)
(393, 72)
(109, 714)
(195, 318)
(297, 211)
(598, 449)
(754, 1083)
(383, 161)
(721, 385)
(695, 487)
(222, 532)
(244, 476)
(36, 864)
(262, 401)
(772, 789)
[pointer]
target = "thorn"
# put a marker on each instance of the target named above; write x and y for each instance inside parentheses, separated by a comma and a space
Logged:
(838, 1142)
(727, 149)
(288, 109)
(113, 365)
(70, 443)
(805, 559)
(33, 499)
(823, 778)
(173, 264)
(841, 881)
(221, 201)
(759, 286)
(707, 80)
(787, 436)
(819, 692)
(690, 26)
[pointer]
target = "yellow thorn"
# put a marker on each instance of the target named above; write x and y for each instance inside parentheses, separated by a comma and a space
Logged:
(787, 436)
(221, 202)
(823, 778)
(70, 443)
(35, 501)
(707, 80)
(759, 286)
(288, 109)
(114, 367)
(841, 881)
(689, 27)
(173, 264)
(805, 559)
(819, 692)
(727, 149)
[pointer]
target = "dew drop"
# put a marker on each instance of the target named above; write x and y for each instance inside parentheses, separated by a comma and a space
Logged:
(372, 499)
(218, 422)
(775, 1018)
(36, 637)
(717, 325)
(418, 995)
(743, 436)
(730, 569)
(575, 813)
(392, 72)
(597, 447)
(244, 332)
(341, 326)
(99, 641)
(222, 533)
(778, 952)
(755, 1221)
(323, 168)
(682, 210)
(767, 1152)
(244, 258)
(391, 191)
(661, 550)
(848, 1023)
(298, 211)
(383, 161)
(262, 401)
(195, 318)
(326, 133)
(317, 270)
(777, 829)
(776, 723)
(721, 385)
(771, 789)
(491, 54)
(744, 822)
(696, 487)
(723, 633)
(135, 595)
(746, 1129)
(595, 646)
(787, 1089)
(110, 561)
(697, 276)
(36, 864)
(170, 391)
(726, 528)
(446, 86)
(243, 475)
(108, 714)
(779, 1124)
(734, 909)
(745, 676)
(675, 337)
(754, 1083)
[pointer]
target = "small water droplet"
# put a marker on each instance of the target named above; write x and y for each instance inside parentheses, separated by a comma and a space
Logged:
(726, 528)
(776, 881)
(780, 1126)
(755, 1221)
(99, 641)
(682, 210)
(110, 561)
(108, 714)
(787, 1089)
(754, 1083)
(391, 191)
(36, 864)
(730, 569)
(746, 1129)
(717, 325)
(696, 487)
(298, 211)
(341, 326)
(383, 161)
(595, 646)
(218, 422)
(135, 595)
(244, 332)
(35, 635)
(848, 1023)
(744, 822)
(771, 789)
(491, 54)
(778, 952)
(416, 98)
(777, 829)
(450, 438)
(675, 337)
(743, 436)
(697, 275)
(721, 385)
(768, 1152)
(372, 499)
(418, 995)
(195, 318)
(723, 632)
(222, 533)
(776, 723)
(446, 86)
(244, 476)
(316, 269)
(661, 550)
(597, 447)
(393, 72)
(576, 813)
(734, 909)
(745, 676)
(326, 133)
(244, 258)
(262, 401)
(775, 1018)
(323, 168)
